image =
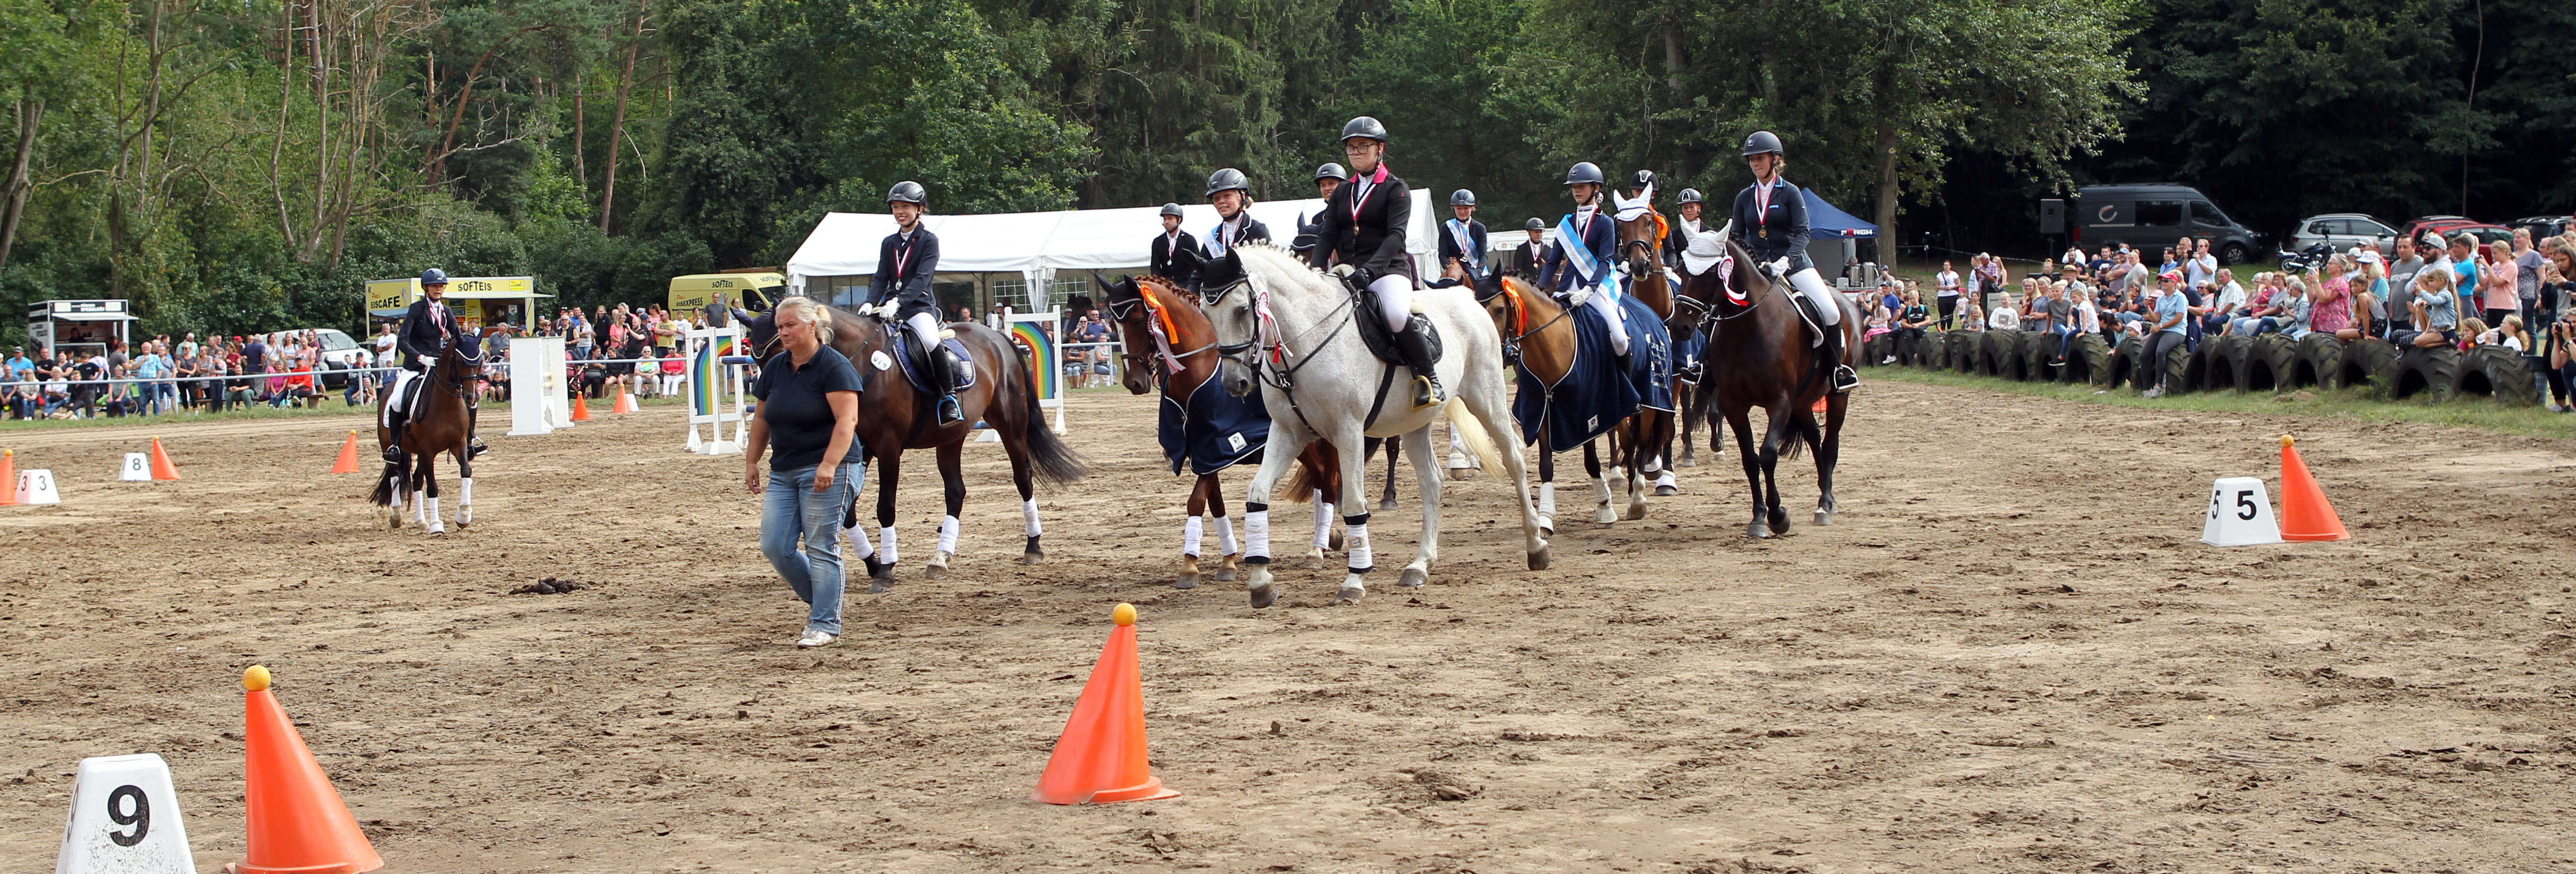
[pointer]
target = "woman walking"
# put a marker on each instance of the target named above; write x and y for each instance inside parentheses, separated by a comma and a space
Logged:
(808, 414)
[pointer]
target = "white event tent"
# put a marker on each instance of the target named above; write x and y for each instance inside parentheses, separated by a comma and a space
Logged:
(839, 258)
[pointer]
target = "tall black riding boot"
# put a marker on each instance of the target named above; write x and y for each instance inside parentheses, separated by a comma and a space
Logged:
(1416, 345)
(1844, 378)
(393, 443)
(950, 411)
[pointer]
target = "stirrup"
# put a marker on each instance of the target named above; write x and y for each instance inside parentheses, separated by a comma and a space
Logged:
(475, 448)
(950, 412)
(1845, 378)
(1425, 392)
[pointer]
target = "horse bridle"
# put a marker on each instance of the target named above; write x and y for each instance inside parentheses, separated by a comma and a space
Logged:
(1122, 309)
(1246, 353)
(1511, 304)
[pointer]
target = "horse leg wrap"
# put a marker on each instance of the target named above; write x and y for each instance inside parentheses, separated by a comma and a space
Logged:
(948, 535)
(861, 548)
(885, 545)
(1323, 522)
(1363, 559)
(1225, 537)
(465, 492)
(1029, 516)
(1547, 499)
(1256, 533)
(1190, 533)
(1666, 479)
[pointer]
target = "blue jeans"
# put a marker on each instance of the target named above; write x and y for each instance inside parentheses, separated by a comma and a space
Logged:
(793, 511)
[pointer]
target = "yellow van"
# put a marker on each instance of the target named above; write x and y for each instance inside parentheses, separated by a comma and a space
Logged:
(756, 292)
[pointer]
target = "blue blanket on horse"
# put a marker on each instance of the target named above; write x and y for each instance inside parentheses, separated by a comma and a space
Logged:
(1595, 394)
(906, 352)
(1686, 352)
(1212, 430)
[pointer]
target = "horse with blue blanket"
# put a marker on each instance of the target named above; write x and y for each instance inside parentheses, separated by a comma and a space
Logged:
(1171, 346)
(1573, 390)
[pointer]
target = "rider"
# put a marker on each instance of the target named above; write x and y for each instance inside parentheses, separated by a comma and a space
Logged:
(1235, 226)
(1771, 223)
(426, 331)
(1676, 241)
(1524, 260)
(1364, 223)
(1327, 177)
(1462, 239)
(1173, 241)
(906, 262)
(1581, 273)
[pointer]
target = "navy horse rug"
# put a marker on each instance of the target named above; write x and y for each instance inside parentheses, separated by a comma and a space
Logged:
(1596, 395)
(1211, 429)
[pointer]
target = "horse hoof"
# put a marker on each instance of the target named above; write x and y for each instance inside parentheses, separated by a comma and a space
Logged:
(1824, 518)
(1666, 491)
(1186, 581)
(1335, 544)
(1636, 510)
(1605, 515)
(1413, 578)
(1032, 554)
(937, 569)
(1225, 575)
(1538, 561)
(1387, 505)
(1348, 596)
(1688, 461)
(1757, 531)
(1314, 558)
(880, 585)
(1462, 473)
(1263, 596)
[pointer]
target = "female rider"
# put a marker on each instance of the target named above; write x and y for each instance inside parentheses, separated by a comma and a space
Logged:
(1363, 225)
(906, 262)
(1771, 222)
(1580, 270)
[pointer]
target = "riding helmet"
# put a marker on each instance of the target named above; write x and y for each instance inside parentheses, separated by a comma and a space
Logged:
(1331, 170)
(1172, 209)
(1762, 142)
(1462, 197)
(433, 276)
(1643, 179)
(1363, 126)
(1533, 225)
(908, 191)
(1583, 172)
(1690, 195)
(1228, 179)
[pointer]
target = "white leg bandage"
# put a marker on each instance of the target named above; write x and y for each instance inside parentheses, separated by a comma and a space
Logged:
(1547, 499)
(1812, 284)
(465, 492)
(1323, 521)
(861, 548)
(885, 544)
(1256, 532)
(948, 535)
(1191, 531)
(1362, 558)
(1394, 300)
(1666, 479)
(1029, 516)
(1225, 536)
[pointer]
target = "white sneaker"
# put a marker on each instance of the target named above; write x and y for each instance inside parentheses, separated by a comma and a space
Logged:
(814, 638)
(1888, 360)
(2157, 392)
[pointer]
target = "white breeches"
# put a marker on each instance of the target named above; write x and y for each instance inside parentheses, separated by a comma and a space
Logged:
(1812, 284)
(925, 331)
(1394, 300)
(394, 395)
(1605, 300)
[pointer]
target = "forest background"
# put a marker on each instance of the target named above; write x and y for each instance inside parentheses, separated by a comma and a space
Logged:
(243, 165)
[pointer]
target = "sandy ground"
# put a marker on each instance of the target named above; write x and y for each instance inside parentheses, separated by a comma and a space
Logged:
(2009, 655)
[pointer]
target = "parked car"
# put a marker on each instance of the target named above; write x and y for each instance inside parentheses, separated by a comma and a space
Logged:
(338, 351)
(2343, 231)
(2544, 225)
(2148, 216)
(2421, 225)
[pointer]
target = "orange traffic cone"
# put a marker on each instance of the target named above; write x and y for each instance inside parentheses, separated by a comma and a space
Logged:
(625, 403)
(2305, 514)
(8, 477)
(348, 462)
(580, 410)
(1101, 756)
(298, 823)
(161, 466)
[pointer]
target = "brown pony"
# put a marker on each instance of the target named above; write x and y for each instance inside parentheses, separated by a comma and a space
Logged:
(1759, 354)
(440, 420)
(894, 417)
(1539, 330)
(1641, 244)
(1137, 304)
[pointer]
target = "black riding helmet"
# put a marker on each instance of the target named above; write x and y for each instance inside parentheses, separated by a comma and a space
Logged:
(1228, 179)
(1762, 142)
(1462, 197)
(1643, 179)
(1172, 209)
(1331, 170)
(1582, 173)
(1363, 126)
(1533, 225)
(1690, 195)
(908, 191)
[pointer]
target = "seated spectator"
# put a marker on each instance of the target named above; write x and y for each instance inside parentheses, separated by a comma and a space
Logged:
(2057, 319)
(2167, 331)
(2330, 297)
(1974, 317)
(2435, 309)
(2226, 304)
(2004, 318)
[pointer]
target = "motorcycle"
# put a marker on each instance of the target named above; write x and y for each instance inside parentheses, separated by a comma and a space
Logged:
(2311, 258)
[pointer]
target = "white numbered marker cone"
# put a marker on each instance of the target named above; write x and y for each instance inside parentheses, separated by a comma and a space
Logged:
(37, 487)
(125, 818)
(2239, 514)
(137, 468)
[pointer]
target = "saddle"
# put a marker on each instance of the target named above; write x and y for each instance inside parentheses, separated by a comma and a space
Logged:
(916, 360)
(1373, 331)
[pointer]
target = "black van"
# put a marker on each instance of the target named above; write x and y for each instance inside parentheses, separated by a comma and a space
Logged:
(2154, 216)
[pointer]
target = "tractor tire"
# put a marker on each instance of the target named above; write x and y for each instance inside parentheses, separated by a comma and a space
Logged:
(2265, 364)
(1876, 349)
(2088, 362)
(2038, 358)
(2499, 373)
(2225, 356)
(2184, 369)
(2429, 373)
(1934, 352)
(1964, 350)
(2361, 362)
(2001, 356)
(2123, 368)
(2314, 361)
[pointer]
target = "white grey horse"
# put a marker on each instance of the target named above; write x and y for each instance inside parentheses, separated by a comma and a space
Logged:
(1288, 331)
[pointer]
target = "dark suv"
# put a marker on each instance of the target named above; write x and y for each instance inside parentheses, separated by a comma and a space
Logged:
(2154, 216)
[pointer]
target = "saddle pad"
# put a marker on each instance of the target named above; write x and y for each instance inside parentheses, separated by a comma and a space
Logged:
(1212, 429)
(1595, 394)
(1380, 341)
(914, 362)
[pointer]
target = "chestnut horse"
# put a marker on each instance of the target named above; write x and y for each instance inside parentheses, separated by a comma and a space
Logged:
(1641, 247)
(893, 417)
(1170, 345)
(1760, 354)
(1538, 337)
(441, 419)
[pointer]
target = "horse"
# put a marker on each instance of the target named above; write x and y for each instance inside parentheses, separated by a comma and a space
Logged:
(1290, 332)
(440, 420)
(1760, 354)
(1170, 345)
(893, 417)
(1641, 247)
(1539, 337)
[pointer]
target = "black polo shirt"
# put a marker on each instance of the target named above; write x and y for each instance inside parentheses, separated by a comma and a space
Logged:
(793, 402)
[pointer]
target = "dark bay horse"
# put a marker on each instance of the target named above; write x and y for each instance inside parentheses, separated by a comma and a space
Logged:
(1759, 353)
(1171, 346)
(440, 420)
(893, 417)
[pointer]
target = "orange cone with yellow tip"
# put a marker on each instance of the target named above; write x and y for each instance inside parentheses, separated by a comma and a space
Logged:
(2305, 514)
(8, 477)
(348, 462)
(625, 403)
(161, 466)
(580, 410)
(1101, 756)
(298, 824)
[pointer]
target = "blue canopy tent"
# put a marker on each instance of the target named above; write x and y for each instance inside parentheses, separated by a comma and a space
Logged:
(1833, 236)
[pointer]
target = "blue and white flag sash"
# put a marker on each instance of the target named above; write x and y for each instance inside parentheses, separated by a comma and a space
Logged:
(1467, 246)
(1578, 252)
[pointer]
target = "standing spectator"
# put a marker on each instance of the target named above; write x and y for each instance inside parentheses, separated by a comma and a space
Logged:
(2557, 268)
(806, 422)
(2201, 269)
(2500, 283)
(2167, 331)
(1988, 275)
(1945, 291)
(2526, 262)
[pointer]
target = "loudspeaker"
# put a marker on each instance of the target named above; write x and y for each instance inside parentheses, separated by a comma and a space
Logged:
(2052, 216)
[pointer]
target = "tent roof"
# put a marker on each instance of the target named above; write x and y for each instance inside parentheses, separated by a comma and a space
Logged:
(845, 243)
(1823, 220)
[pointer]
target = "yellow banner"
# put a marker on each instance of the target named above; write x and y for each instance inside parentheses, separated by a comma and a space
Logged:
(392, 294)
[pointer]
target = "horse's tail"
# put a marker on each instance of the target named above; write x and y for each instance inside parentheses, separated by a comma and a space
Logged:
(1478, 440)
(384, 492)
(1803, 432)
(1303, 481)
(1049, 457)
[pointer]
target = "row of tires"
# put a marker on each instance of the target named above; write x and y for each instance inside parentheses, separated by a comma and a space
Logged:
(2269, 363)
